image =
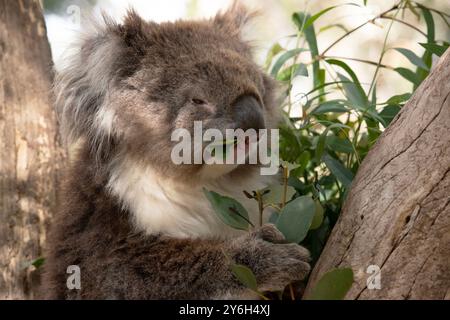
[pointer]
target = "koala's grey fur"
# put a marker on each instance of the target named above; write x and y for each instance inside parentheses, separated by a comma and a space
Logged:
(126, 89)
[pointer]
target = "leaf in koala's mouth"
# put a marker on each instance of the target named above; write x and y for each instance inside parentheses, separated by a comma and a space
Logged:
(223, 147)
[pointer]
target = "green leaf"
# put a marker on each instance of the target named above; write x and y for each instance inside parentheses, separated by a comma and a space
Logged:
(320, 148)
(296, 217)
(318, 216)
(301, 70)
(373, 100)
(344, 175)
(330, 26)
(309, 22)
(398, 98)
(339, 144)
(409, 75)
(300, 19)
(347, 69)
(293, 71)
(336, 106)
(333, 285)
(290, 166)
(276, 49)
(284, 58)
(435, 48)
(273, 217)
(427, 56)
(38, 262)
(245, 276)
(431, 30)
(389, 112)
(230, 211)
(275, 196)
(354, 92)
(413, 58)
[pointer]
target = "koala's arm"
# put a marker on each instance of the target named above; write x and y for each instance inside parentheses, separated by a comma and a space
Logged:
(200, 269)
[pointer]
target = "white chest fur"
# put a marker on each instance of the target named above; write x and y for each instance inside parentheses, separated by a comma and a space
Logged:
(159, 206)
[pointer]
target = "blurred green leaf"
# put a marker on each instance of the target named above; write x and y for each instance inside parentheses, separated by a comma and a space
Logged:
(409, 75)
(413, 58)
(333, 285)
(344, 175)
(435, 48)
(309, 22)
(300, 19)
(389, 113)
(354, 92)
(275, 194)
(293, 71)
(230, 211)
(337, 106)
(336, 25)
(318, 216)
(296, 217)
(397, 99)
(339, 145)
(245, 276)
(274, 50)
(284, 58)
(38, 262)
(320, 148)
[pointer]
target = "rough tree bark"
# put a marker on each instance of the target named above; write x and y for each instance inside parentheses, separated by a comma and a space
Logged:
(29, 148)
(397, 213)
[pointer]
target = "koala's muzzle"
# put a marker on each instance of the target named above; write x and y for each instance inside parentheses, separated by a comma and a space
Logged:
(247, 113)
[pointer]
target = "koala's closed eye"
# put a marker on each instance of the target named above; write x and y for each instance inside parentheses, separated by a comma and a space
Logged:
(134, 88)
(198, 101)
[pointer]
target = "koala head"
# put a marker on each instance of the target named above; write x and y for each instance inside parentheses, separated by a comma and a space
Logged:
(131, 84)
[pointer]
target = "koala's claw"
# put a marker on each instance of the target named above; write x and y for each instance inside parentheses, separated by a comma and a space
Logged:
(274, 262)
(270, 233)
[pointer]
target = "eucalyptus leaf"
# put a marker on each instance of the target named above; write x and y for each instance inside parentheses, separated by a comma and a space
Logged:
(245, 276)
(413, 58)
(336, 106)
(409, 75)
(284, 58)
(296, 217)
(300, 19)
(276, 49)
(435, 48)
(293, 71)
(344, 175)
(354, 92)
(339, 144)
(38, 262)
(397, 99)
(333, 285)
(321, 143)
(318, 216)
(275, 194)
(389, 113)
(230, 211)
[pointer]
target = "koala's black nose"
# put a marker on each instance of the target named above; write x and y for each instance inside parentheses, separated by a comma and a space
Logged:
(248, 113)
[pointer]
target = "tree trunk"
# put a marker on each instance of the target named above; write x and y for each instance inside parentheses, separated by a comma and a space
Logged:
(29, 144)
(397, 213)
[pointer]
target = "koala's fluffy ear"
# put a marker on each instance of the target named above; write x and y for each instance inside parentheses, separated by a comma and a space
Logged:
(134, 31)
(234, 19)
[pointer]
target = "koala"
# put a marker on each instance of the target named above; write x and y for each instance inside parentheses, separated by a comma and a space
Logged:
(137, 225)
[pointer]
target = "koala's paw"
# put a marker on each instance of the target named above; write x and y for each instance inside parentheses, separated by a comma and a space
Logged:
(274, 262)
